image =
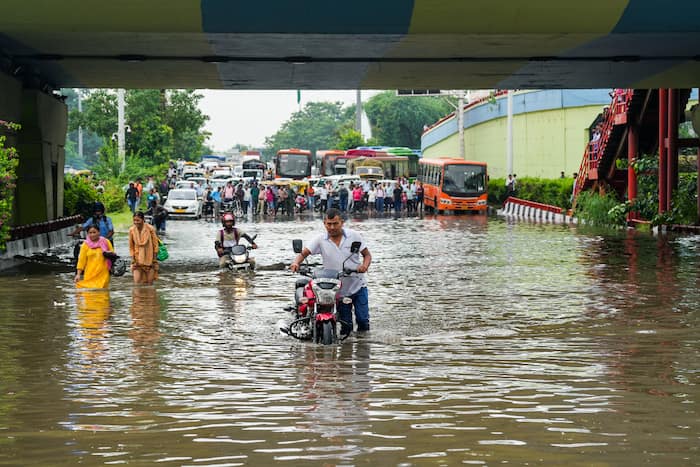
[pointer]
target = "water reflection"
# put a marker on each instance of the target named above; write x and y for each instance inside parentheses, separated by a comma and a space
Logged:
(145, 312)
(94, 309)
(493, 342)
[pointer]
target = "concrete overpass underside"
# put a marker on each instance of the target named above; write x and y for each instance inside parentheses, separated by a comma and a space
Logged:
(318, 44)
(451, 44)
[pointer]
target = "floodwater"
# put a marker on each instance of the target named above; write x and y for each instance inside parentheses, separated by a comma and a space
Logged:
(492, 343)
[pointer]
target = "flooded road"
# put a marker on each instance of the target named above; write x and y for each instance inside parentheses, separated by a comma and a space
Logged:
(492, 343)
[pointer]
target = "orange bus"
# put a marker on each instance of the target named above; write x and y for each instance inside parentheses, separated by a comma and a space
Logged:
(293, 163)
(325, 161)
(454, 184)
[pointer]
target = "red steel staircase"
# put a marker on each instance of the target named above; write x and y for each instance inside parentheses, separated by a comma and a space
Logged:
(599, 165)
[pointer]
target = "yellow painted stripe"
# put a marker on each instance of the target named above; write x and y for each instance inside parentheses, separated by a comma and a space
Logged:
(116, 15)
(683, 75)
(516, 17)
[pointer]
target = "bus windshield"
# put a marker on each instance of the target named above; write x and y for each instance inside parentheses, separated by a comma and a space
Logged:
(461, 179)
(293, 165)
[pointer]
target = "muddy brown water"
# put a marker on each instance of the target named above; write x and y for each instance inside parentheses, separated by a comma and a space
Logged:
(492, 343)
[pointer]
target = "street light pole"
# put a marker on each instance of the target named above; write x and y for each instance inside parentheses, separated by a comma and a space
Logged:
(460, 123)
(509, 134)
(121, 137)
(80, 128)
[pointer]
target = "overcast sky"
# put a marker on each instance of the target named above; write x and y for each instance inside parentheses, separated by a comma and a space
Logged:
(247, 117)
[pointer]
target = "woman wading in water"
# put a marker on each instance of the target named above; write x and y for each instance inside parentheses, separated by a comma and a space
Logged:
(143, 248)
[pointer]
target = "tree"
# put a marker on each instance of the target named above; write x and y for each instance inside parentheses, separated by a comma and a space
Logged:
(164, 124)
(399, 121)
(315, 127)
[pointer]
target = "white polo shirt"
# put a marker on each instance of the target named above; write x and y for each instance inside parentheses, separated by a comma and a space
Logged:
(334, 256)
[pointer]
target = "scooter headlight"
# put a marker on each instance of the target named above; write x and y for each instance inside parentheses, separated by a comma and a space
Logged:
(347, 300)
(239, 259)
(304, 300)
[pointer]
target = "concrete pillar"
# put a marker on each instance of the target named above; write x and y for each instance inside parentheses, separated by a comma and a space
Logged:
(632, 145)
(672, 146)
(41, 147)
(663, 122)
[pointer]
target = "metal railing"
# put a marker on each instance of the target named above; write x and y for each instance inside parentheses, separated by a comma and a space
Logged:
(595, 149)
(28, 230)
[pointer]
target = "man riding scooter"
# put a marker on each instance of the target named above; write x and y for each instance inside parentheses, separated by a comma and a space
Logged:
(228, 237)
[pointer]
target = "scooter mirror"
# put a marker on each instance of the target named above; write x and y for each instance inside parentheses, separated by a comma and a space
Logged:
(355, 247)
(297, 245)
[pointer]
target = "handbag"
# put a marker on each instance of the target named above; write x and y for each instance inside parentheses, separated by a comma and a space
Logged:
(162, 251)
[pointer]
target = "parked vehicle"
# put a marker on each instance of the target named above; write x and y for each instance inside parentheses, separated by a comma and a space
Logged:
(183, 203)
(316, 293)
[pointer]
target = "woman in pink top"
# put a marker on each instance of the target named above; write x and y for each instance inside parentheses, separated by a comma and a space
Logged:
(357, 194)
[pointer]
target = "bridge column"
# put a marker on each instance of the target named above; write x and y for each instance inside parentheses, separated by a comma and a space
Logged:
(632, 153)
(663, 121)
(672, 146)
(41, 143)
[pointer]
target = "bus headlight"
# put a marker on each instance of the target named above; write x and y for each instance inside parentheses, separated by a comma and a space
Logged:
(481, 202)
(446, 201)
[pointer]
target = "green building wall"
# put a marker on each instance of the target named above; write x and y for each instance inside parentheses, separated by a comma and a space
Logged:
(547, 140)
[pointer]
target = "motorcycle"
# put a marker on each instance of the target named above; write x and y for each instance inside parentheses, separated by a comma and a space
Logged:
(315, 314)
(239, 258)
(300, 204)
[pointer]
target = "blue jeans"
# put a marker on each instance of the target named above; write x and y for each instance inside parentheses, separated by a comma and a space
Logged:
(380, 204)
(132, 205)
(343, 204)
(360, 300)
(397, 206)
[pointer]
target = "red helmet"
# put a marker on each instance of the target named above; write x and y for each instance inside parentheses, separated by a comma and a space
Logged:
(228, 217)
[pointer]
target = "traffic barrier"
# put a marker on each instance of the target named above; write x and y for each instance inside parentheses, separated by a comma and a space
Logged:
(521, 208)
(26, 240)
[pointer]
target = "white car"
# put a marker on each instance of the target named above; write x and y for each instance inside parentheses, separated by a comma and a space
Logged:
(183, 202)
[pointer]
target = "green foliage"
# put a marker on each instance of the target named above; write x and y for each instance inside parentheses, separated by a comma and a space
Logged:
(399, 121)
(8, 167)
(164, 124)
(601, 210)
(315, 127)
(683, 202)
(348, 139)
(79, 194)
(113, 197)
(555, 192)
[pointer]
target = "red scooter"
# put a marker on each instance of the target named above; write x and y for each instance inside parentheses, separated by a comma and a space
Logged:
(315, 315)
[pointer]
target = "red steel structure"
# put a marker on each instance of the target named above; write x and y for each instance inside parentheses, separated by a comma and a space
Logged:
(631, 126)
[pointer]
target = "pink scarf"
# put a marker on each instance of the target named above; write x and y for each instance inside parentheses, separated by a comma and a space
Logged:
(101, 243)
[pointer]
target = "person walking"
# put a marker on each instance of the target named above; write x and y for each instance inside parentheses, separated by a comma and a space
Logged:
(371, 198)
(379, 196)
(143, 248)
(419, 196)
(254, 197)
(323, 196)
(94, 261)
(343, 197)
(397, 194)
(334, 247)
(132, 196)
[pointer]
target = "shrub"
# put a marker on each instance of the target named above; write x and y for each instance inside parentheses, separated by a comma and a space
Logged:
(113, 197)
(556, 192)
(79, 195)
(8, 167)
(601, 210)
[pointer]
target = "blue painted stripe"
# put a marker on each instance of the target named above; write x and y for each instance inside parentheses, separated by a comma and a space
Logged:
(534, 101)
(310, 16)
(659, 16)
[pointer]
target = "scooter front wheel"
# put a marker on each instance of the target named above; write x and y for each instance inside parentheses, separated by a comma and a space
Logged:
(327, 333)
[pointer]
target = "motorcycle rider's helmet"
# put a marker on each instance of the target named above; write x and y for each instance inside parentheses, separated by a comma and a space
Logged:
(228, 217)
(98, 207)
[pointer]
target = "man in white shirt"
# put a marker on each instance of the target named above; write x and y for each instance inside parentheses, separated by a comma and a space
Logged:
(334, 248)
